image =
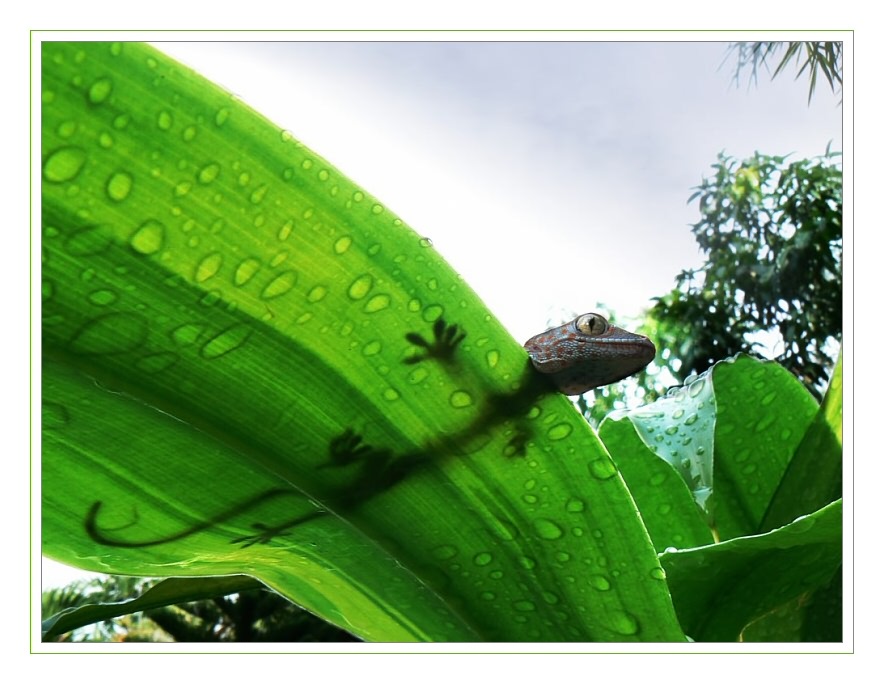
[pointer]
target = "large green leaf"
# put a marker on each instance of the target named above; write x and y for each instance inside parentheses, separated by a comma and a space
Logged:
(691, 459)
(249, 367)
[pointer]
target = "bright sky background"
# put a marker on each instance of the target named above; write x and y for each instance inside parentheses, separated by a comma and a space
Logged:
(551, 175)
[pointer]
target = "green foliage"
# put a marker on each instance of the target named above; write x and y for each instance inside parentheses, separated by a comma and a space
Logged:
(772, 234)
(719, 461)
(819, 58)
(251, 368)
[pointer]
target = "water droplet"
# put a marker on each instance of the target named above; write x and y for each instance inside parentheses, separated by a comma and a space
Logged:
(148, 238)
(182, 188)
(317, 294)
(64, 164)
(360, 287)
(432, 313)
(492, 357)
(599, 582)
(186, 334)
(342, 244)
(54, 416)
(602, 468)
(164, 120)
(460, 399)
(547, 529)
(156, 363)
(208, 173)
(208, 267)
(414, 305)
(482, 558)
(524, 606)
(258, 194)
(280, 285)
(226, 341)
(105, 140)
(658, 573)
(121, 121)
(113, 333)
(444, 552)
(377, 303)
(245, 271)
(221, 116)
(88, 241)
(559, 431)
(391, 394)
(66, 129)
(372, 348)
(119, 185)
(358, 196)
(550, 597)
(188, 133)
(102, 297)
(417, 376)
(100, 90)
(488, 595)
(575, 505)
(622, 622)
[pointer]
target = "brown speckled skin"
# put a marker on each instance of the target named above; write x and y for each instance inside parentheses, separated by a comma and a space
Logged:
(577, 362)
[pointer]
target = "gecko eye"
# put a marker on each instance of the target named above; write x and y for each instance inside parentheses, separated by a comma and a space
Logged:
(591, 324)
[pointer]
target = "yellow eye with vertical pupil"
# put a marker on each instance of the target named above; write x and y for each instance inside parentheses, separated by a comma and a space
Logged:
(591, 324)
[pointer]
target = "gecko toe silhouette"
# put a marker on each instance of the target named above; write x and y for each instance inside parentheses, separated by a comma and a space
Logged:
(446, 339)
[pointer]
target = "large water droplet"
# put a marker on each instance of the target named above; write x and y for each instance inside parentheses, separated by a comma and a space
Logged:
(64, 164)
(559, 431)
(100, 90)
(226, 341)
(602, 468)
(245, 271)
(360, 287)
(208, 267)
(342, 244)
(148, 238)
(119, 186)
(377, 303)
(460, 399)
(110, 334)
(622, 622)
(208, 173)
(280, 285)
(547, 529)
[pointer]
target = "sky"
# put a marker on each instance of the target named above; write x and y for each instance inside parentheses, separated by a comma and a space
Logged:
(551, 175)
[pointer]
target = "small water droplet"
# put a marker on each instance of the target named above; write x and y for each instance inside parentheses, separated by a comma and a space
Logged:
(113, 333)
(186, 334)
(492, 357)
(100, 90)
(258, 194)
(524, 606)
(208, 267)
(377, 209)
(547, 529)
(221, 116)
(64, 164)
(432, 313)
(226, 341)
(280, 285)
(372, 348)
(54, 416)
(658, 573)
(482, 558)
(391, 394)
(342, 244)
(156, 363)
(148, 238)
(602, 468)
(102, 297)
(119, 185)
(377, 303)
(66, 129)
(488, 596)
(89, 240)
(575, 505)
(317, 294)
(460, 399)
(622, 622)
(444, 552)
(208, 173)
(189, 133)
(164, 120)
(559, 431)
(245, 271)
(360, 287)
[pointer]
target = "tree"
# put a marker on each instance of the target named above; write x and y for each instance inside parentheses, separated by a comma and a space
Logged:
(771, 230)
(819, 58)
